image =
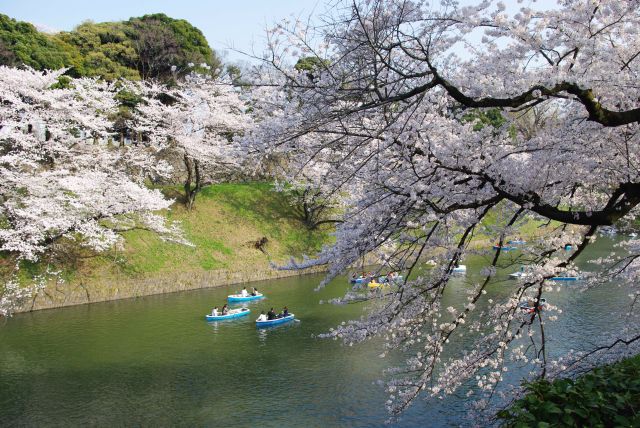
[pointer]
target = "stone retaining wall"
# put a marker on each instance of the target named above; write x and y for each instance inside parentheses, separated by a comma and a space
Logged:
(78, 293)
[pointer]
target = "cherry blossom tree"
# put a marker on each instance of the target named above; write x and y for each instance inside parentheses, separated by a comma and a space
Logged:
(387, 108)
(200, 117)
(61, 180)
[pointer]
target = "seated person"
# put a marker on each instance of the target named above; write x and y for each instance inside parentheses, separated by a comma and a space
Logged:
(271, 315)
(285, 312)
(254, 292)
(244, 292)
(262, 317)
(214, 312)
(225, 309)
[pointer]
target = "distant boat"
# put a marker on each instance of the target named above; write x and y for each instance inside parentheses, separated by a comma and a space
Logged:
(608, 230)
(241, 298)
(518, 275)
(633, 235)
(504, 248)
(526, 306)
(459, 269)
(568, 247)
(383, 279)
(430, 262)
(233, 313)
(565, 278)
(275, 321)
(374, 284)
(516, 242)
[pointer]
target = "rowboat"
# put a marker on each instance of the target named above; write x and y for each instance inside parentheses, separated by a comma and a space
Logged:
(516, 242)
(383, 279)
(565, 278)
(276, 321)
(525, 306)
(241, 298)
(374, 284)
(233, 313)
(504, 248)
(459, 269)
(518, 275)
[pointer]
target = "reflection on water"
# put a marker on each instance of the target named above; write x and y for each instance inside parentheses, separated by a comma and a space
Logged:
(156, 361)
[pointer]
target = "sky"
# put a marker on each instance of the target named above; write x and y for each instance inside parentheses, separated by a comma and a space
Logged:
(239, 24)
(228, 25)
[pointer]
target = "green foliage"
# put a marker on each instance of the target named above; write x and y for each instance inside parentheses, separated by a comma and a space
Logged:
(110, 50)
(310, 63)
(191, 45)
(482, 118)
(64, 82)
(128, 99)
(22, 43)
(608, 396)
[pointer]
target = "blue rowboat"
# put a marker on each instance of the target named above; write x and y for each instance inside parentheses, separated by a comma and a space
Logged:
(504, 248)
(276, 321)
(233, 313)
(383, 279)
(565, 278)
(241, 298)
(516, 242)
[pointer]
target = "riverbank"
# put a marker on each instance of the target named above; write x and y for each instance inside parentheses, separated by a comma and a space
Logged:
(238, 231)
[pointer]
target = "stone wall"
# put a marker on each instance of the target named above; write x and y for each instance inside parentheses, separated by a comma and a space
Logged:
(57, 295)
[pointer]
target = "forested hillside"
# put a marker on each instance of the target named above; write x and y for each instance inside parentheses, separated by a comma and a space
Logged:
(151, 46)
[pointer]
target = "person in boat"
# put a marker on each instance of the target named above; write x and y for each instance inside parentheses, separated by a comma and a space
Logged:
(262, 317)
(225, 309)
(254, 292)
(215, 312)
(284, 313)
(244, 292)
(271, 315)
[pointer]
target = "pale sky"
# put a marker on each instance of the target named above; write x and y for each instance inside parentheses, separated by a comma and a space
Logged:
(239, 24)
(236, 23)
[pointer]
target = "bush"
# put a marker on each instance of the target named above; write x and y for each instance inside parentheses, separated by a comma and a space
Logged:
(608, 396)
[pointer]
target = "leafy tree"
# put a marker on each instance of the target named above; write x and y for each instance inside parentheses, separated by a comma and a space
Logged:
(145, 47)
(22, 43)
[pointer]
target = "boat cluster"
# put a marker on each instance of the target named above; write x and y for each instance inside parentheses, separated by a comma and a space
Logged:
(374, 281)
(264, 320)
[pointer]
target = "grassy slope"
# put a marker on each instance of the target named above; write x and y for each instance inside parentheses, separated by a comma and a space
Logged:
(225, 222)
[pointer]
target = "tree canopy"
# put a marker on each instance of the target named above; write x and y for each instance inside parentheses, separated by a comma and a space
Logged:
(151, 46)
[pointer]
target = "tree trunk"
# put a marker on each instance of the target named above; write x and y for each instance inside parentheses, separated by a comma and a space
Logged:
(193, 182)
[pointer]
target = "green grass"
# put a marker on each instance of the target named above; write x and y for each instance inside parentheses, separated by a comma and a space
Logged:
(226, 221)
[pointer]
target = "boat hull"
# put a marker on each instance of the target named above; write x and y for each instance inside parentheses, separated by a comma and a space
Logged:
(277, 321)
(239, 298)
(459, 269)
(232, 315)
(504, 248)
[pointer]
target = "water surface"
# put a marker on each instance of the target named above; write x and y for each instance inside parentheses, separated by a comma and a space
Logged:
(155, 361)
